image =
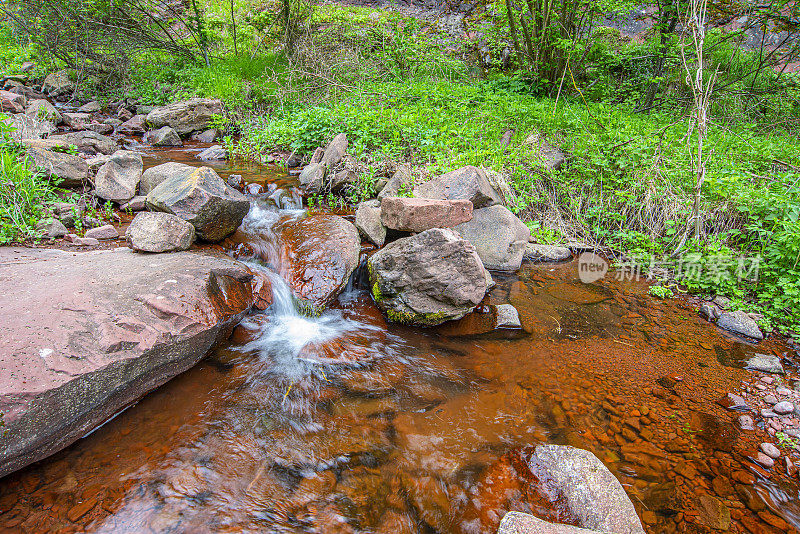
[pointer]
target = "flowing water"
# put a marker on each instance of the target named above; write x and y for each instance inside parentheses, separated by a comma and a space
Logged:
(421, 430)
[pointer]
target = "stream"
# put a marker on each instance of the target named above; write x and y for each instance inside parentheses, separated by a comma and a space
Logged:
(345, 423)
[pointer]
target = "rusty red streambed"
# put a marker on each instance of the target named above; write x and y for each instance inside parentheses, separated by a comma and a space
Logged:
(428, 437)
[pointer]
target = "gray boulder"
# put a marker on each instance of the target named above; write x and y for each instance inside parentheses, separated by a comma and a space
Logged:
(591, 493)
(155, 231)
(399, 183)
(546, 253)
(155, 175)
(96, 162)
(164, 136)
(709, 311)
(58, 83)
(107, 231)
(11, 102)
(335, 151)
(51, 228)
(24, 127)
(766, 363)
(203, 199)
(368, 222)
(507, 316)
(118, 179)
(420, 214)
(499, 237)
(213, 153)
(312, 178)
(133, 126)
(468, 183)
(76, 121)
(208, 136)
(88, 141)
(521, 523)
(342, 180)
(91, 107)
(187, 116)
(740, 323)
(72, 170)
(427, 279)
(43, 110)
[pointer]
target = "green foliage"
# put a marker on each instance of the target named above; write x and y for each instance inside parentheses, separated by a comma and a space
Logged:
(661, 292)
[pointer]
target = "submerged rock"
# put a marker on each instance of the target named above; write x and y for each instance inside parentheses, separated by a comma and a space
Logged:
(186, 117)
(766, 363)
(429, 278)
(589, 489)
(468, 183)
(739, 322)
(499, 237)
(321, 251)
(137, 321)
(154, 231)
(203, 199)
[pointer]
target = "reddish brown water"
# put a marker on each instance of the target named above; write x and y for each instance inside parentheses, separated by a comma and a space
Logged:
(429, 434)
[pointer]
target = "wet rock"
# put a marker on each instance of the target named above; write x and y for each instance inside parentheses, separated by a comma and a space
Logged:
(312, 179)
(213, 153)
(398, 185)
(155, 175)
(335, 151)
(739, 322)
(153, 231)
(770, 450)
(709, 311)
(499, 237)
(733, 402)
(72, 170)
(766, 363)
(203, 199)
(100, 127)
(254, 189)
(94, 106)
(11, 102)
(468, 183)
(43, 110)
(82, 241)
(368, 222)
(766, 414)
(208, 136)
(783, 408)
(164, 136)
(323, 251)
(118, 179)
(713, 513)
(51, 227)
(507, 316)
(107, 231)
(521, 523)
(420, 214)
(770, 399)
(428, 279)
(764, 460)
(589, 489)
(58, 83)
(124, 114)
(88, 141)
(141, 321)
(133, 126)
(234, 180)
(783, 391)
(187, 116)
(746, 422)
(546, 253)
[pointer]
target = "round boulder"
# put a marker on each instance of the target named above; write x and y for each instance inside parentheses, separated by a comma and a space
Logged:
(152, 231)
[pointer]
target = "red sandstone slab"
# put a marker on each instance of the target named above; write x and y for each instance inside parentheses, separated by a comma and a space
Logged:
(420, 214)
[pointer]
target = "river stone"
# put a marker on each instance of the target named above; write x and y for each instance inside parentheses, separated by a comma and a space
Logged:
(186, 117)
(72, 170)
(546, 253)
(89, 141)
(87, 334)
(427, 279)
(400, 181)
(521, 523)
(420, 214)
(118, 179)
(11, 102)
(713, 513)
(507, 316)
(323, 251)
(155, 175)
(208, 136)
(709, 311)
(335, 151)
(133, 126)
(739, 322)
(76, 121)
(43, 110)
(137, 203)
(766, 363)
(590, 491)
(203, 199)
(213, 153)
(155, 231)
(51, 227)
(164, 136)
(783, 408)
(107, 231)
(58, 83)
(312, 178)
(770, 450)
(368, 222)
(499, 237)
(94, 106)
(468, 183)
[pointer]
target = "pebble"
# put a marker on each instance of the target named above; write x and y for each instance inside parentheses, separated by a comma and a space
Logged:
(770, 399)
(768, 413)
(783, 407)
(767, 379)
(761, 387)
(746, 422)
(793, 432)
(770, 450)
(764, 460)
(783, 391)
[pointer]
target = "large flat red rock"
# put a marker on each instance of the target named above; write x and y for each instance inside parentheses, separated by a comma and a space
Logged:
(86, 334)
